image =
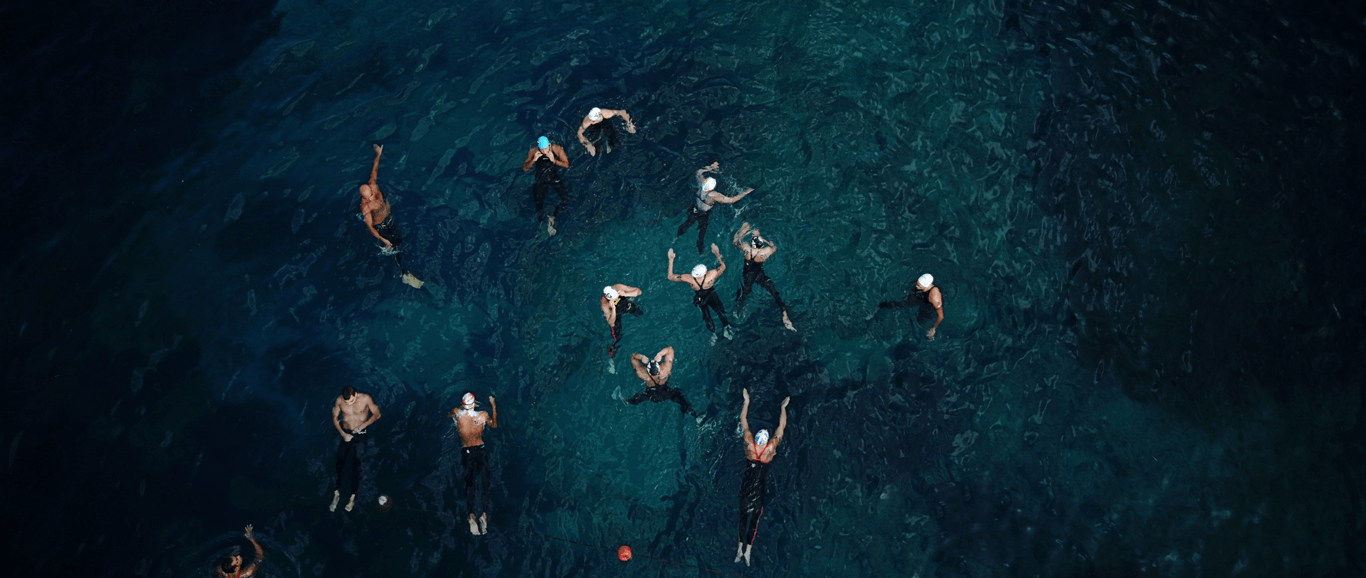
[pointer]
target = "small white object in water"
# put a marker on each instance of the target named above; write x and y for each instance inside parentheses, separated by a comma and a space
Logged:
(383, 499)
(388, 251)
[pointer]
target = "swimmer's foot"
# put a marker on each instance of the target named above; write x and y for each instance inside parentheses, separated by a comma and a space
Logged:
(474, 526)
(484, 524)
(713, 340)
(611, 366)
(725, 331)
(747, 557)
(788, 322)
(550, 227)
(335, 496)
(412, 281)
(739, 552)
(351, 503)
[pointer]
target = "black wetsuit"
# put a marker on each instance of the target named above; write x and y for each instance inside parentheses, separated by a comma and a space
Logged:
(699, 213)
(476, 462)
(624, 306)
(660, 393)
(548, 176)
(917, 298)
(752, 491)
(350, 452)
(707, 298)
(754, 273)
(389, 231)
(603, 131)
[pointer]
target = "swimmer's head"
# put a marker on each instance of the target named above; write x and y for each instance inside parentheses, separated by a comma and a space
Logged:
(709, 184)
(468, 400)
(756, 242)
(232, 562)
(761, 438)
(610, 293)
(595, 114)
(925, 281)
(543, 142)
(348, 393)
(367, 191)
(699, 271)
(652, 367)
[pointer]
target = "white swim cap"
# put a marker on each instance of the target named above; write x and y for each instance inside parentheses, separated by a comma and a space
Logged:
(699, 271)
(609, 292)
(761, 438)
(595, 114)
(468, 400)
(709, 184)
(925, 280)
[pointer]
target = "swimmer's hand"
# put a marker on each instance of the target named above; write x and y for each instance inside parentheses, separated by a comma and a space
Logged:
(248, 531)
(785, 400)
(346, 437)
(716, 166)
(379, 149)
(930, 334)
(671, 253)
(591, 150)
(745, 392)
(630, 127)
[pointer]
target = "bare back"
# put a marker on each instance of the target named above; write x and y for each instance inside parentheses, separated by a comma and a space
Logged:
(471, 425)
(375, 210)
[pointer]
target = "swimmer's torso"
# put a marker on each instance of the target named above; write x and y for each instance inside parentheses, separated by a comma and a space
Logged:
(471, 426)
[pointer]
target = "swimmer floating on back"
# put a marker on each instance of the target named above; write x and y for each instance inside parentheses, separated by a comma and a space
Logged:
(548, 160)
(706, 198)
(703, 281)
(379, 219)
(757, 250)
(597, 127)
(473, 456)
(357, 411)
(615, 302)
(759, 453)
(231, 567)
(655, 373)
(925, 295)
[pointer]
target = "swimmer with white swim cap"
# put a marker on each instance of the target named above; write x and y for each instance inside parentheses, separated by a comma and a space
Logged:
(599, 129)
(706, 198)
(548, 158)
(759, 453)
(925, 295)
(614, 303)
(470, 421)
(703, 281)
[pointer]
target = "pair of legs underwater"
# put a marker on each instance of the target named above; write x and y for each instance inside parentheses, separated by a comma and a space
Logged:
(348, 452)
(476, 462)
(389, 230)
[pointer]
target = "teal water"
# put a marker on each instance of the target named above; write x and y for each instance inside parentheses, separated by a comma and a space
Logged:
(1141, 217)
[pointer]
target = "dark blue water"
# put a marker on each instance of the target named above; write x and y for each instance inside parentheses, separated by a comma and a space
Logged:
(1145, 218)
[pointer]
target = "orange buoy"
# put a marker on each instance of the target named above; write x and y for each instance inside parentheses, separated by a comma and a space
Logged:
(624, 553)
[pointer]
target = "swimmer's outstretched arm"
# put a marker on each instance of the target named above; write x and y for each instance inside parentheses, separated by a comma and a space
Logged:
(260, 555)
(627, 290)
(782, 422)
(374, 169)
(716, 251)
(494, 405)
(744, 421)
(672, 277)
(720, 198)
(630, 126)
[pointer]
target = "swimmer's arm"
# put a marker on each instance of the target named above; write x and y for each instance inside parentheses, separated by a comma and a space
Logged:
(744, 421)
(370, 224)
(720, 198)
(665, 355)
(530, 159)
(588, 145)
(722, 268)
(630, 126)
(936, 299)
(608, 312)
(744, 228)
(672, 277)
(494, 404)
(374, 409)
(558, 156)
(782, 422)
(374, 169)
(638, 361)
(627, 290)
(260, 554)
(336, 411)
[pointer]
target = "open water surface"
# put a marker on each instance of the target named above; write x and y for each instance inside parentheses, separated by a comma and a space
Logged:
(1145, 218)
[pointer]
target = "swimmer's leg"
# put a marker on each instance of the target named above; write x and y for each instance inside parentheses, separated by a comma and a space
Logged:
(469, 489)
(706, 318)
(692, 217)
(702, 221)
(351, 503)
(538, 193)
(336, 495)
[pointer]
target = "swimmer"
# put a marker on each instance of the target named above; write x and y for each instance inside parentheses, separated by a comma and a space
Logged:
(655, 373)
(706, 198)
(702, 280)
(379, 219)
(548, 160)
(924, 296)
(614, 303)
(759, 453)
(473, 456)
(757, 250)
(231, 567)
(596, 128)
(357, 411)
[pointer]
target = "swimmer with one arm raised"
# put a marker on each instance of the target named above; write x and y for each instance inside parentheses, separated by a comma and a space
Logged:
(231, 567)
(473, 456)
(706, 198)
(759, 453)
(379, 219)
(597, 127)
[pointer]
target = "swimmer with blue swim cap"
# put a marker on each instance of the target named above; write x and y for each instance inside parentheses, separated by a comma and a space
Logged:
(703, 283)
(597, 128)
(548, 159)
(759, 453)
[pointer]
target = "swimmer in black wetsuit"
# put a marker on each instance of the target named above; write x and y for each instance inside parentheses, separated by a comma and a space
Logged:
(706, 198)
(597, 128)
(759, 453)
(655, 373)
(379, 219)
(757, 251)
(702, 281)
(548, 160)
(614, 304)
(473, 456)
(232, 566)
(925, 296)
(352, 412)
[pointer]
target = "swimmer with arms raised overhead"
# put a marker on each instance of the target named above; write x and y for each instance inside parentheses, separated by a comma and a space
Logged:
(471, 424)
(757, 251)
(706, 198)
(655, 373)
(548, 160)
(925, 296)
(231, 567)
(597, 127)
(379, 219)
(616, 302)
(703, 281)
(356, 411)
(759, 453)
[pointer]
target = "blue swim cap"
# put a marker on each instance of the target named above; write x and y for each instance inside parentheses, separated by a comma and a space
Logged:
(543, 142)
